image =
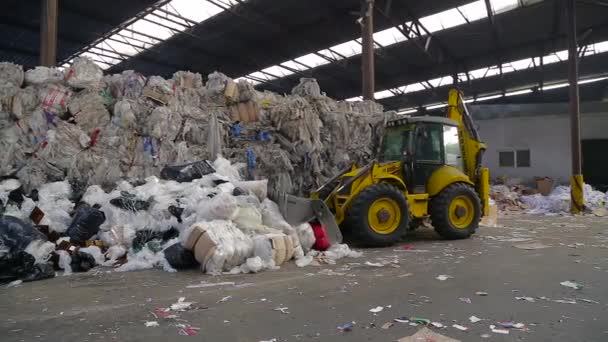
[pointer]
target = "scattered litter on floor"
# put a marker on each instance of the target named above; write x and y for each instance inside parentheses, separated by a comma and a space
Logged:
(443, 277)
(401, 320)
(474, 319)
(14, 283)
(426, 334)
(465, 300)
(496, 330)
(527, 299)
(565, 301)
(374, 264)
(187, 330)
(224, 299)
(376, 309)
(149, 324)
(282, 309)
(481, 293)
(588, 301)
(571, 284)
(387, 325)
(205, 284)
(181, 305)
(531, 246)
(437, 325)
(346, 327)
(460, 327)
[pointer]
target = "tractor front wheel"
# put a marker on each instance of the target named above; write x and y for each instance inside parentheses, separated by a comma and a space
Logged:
(455, 212)
(378, 216)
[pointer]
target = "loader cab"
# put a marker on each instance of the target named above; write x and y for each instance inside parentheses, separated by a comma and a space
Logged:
(422, 145)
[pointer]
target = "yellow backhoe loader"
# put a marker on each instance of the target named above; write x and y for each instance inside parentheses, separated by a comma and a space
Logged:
(426, 167)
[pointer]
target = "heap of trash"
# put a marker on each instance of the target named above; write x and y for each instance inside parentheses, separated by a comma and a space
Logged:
(114, 170)
(520, 198)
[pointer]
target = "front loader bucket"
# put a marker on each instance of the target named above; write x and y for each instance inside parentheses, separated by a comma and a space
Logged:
(298, 210)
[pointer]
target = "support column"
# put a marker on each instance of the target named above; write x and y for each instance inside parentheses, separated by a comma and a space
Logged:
(367, 42)
(577, 200)
(48, 32)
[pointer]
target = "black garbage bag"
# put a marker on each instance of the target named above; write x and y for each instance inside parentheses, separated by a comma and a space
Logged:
(15, 263)
(179, 257)
(128, 201)
(177, 212)
(143, 237)
(82, 262)
(85, 223)
(187, 172)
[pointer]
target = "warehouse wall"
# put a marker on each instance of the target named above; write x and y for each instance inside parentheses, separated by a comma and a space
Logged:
(546, 136)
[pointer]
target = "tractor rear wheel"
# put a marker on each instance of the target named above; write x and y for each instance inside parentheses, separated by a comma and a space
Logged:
(378, 216)
(455, 212)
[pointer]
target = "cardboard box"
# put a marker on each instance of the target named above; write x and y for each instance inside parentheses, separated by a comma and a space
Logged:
(544, 185)
(204, 249)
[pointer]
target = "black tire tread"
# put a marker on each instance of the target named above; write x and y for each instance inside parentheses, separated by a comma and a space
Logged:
(357, 222)
(440, 216)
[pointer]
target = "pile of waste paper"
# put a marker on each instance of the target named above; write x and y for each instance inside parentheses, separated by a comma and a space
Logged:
(558, 201)
(112, 170)
(519, 198)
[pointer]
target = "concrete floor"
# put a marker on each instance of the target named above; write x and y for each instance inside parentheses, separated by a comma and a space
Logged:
(108, 306)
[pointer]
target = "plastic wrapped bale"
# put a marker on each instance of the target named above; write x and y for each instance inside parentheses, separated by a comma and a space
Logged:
(37, 172)
(128, 84)
(187, 79)
(7, 94)
(218, 245)
(54, 98)
(14, 144)
(143, 158)
(89, 167)
(307, 87)
(88, 110)
(11, 73)
(24, 102)
(163, 124)
(159, 89)
(216, 83)
(62, 144)
(43, 75)
(84, 73)
(124, 114)
(246, 91)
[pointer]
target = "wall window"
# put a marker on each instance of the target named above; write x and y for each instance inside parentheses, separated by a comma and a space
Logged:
(523, 158)
(514, 158)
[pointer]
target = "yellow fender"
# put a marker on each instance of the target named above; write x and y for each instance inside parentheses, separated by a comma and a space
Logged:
(443, 177)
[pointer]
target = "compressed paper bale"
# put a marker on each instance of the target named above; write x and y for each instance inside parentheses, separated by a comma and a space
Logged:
(43, 75)
(159, 89)
(37, 172)
(24, 102)
(83, 73)
(187, 79)
(246, 91)
(307, 87)
(128, 84)
(14, 145)
(163, 123)
(216, 83)
(88, 110)
(11, 73)
(62, 144)
(124, 115)
(54, 98)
